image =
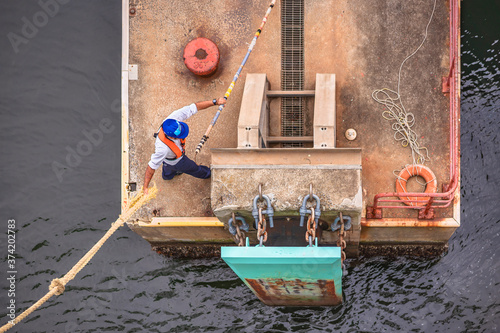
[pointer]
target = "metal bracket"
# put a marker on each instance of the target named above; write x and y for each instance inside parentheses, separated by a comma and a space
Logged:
(428, 216)
(373, 213)
(133, 72)
(445, 84)
(131, 187)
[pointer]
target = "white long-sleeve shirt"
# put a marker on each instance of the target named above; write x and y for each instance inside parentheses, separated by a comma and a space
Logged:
(162, 151)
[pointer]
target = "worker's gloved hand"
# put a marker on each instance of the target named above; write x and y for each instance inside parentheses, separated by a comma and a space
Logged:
(221, 101)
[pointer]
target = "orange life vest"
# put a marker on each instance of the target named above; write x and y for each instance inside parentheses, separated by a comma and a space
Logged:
(171, 144)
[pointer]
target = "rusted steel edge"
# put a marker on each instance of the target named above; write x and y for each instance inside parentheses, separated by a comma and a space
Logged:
(181, 222)
(179, 225)
(454, 126)
(447, 222)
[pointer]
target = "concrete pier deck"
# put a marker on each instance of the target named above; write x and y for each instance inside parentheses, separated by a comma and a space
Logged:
(362, 42)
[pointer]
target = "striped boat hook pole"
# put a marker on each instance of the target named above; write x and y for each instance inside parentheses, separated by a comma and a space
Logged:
(235, 78)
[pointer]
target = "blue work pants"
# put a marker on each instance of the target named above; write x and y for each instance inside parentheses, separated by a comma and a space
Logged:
(187, 166)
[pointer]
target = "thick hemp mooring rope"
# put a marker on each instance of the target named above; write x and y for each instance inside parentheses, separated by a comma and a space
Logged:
(57, 285)
(403, 121)
(235, 78)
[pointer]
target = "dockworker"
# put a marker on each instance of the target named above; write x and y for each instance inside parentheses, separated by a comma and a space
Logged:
(169, 145)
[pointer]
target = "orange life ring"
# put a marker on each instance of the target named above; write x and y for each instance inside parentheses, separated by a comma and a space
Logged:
(416, 170)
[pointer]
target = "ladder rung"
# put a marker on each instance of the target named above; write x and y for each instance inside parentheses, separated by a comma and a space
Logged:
(288, 139)
(290, 93)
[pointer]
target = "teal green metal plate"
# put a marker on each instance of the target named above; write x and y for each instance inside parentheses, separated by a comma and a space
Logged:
(289, 276)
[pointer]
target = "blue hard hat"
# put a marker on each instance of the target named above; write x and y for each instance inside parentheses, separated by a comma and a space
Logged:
(175, 129)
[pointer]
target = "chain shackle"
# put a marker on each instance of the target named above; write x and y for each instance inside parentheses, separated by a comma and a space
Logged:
(269, 211)
(233, 224)
(235, 230)
(346, 220)
(304, 210)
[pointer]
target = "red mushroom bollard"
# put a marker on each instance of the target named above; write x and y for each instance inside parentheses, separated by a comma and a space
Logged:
(201, 56)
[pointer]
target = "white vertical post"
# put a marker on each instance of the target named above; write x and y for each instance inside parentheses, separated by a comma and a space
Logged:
(324, 111)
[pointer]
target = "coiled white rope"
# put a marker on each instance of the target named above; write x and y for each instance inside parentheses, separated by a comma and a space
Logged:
(403, 121)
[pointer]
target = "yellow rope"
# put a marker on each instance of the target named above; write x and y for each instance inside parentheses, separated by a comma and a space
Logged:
(57, 285)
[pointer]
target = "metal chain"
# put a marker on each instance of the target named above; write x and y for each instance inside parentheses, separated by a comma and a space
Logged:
(311, 229)
(261, 229)
(341, 242)
(311, 199)
(240, 235)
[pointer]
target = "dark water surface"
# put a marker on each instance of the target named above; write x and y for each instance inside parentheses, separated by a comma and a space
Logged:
(65, 80)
